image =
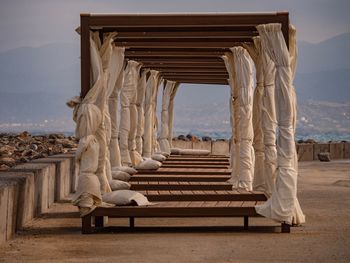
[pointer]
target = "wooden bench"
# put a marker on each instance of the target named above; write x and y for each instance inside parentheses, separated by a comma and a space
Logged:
(175, 209)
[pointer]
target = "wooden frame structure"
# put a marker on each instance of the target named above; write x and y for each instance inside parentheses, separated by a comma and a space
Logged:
(185, 48)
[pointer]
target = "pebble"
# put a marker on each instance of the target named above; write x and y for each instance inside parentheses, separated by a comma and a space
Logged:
(23, 147)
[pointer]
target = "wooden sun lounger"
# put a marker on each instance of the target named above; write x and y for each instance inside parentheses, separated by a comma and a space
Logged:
(185, 190)
(176, 209)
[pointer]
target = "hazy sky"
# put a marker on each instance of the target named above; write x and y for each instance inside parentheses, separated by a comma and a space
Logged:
(38, 22)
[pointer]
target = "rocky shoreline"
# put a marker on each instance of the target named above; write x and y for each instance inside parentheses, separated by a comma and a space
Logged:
(23, 147)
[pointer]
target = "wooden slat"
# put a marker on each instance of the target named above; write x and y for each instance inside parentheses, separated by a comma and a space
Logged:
(162, 210)
(191, 196)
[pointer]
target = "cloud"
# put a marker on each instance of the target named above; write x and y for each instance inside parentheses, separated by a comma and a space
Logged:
(38, 22)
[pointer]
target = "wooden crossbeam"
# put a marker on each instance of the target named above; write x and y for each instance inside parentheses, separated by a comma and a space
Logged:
(179, 44)
(184, 65)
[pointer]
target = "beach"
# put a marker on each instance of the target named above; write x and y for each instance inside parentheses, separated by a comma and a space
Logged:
(323, 191)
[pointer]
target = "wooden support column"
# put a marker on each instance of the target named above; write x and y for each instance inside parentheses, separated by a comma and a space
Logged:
(85, 53)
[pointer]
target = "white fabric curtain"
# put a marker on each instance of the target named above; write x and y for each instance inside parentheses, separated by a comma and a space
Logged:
(141, 88)
(127, 96)
(281, 206)
(151, 87)
(171, 114)
(164, 131)
(101, 68)
(88, 118)
(114, 150)
(155, 143)
(298, 216)
(234, 110)
(135, 156)
(244, 77)
(255, 53)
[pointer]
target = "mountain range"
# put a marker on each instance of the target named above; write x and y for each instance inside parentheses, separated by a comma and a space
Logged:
(36, 82)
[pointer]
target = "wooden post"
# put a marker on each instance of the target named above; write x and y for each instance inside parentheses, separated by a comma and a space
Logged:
(285, 228)
(132, 222)
(98, 221)
(246, 222)
(86, 225)
(85, 53)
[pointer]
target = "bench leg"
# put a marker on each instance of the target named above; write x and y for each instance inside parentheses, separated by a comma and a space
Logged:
(98, 221)
(86, 227)
(246, 222)
(285, 228)
(132, 222)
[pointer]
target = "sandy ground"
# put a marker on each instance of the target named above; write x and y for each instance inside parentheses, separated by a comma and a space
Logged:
(324, 193)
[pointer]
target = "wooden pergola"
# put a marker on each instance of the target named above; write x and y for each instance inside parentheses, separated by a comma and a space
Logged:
(185, 48)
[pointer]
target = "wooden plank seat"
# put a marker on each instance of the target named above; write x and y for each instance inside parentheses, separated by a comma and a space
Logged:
(181, 177)
(207, 159)
(201, 166)
(243, 209)
(196, 162)
(190, 171)
(202, 195)
(176, 185)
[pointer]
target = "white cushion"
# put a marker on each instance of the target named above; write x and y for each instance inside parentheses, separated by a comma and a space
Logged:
(120, 175)
(175, 150)
(194, 152)
(158, 157)
(126, 197)
(119, 185)
(148, 164)
(126, 169)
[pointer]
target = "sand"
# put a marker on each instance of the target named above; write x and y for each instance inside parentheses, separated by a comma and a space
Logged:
(324, 238)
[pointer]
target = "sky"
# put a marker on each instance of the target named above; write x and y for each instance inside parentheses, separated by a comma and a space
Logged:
(39, 22)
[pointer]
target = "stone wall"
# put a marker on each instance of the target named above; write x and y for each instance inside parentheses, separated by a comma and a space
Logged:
(306, 151)
(28, 190)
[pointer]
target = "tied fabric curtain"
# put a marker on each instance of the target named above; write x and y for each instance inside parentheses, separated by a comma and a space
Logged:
(234, 120)
(151, 88)
(114, 149)
(281, 206)
(88, 118)
(244, 76)
(255, 52)
(164, 133)
(127, 99)
(141, 88)
(171, 114)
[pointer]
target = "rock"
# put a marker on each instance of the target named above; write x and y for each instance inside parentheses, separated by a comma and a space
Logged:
(300, 141)
(7, 160)
(310, 141)
(195, 138)
(182, 137)
(220, 140)
(324, 157)
(24, 135)
(4, 167)
(34, 147)
(206, 139)
(189, 136)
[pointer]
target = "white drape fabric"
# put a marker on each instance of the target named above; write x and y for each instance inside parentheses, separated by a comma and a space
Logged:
(151, 89)
(298, 217)
(244, 76)
(88, 118)
(255, 53)
(155, 143)
(171, 114)
(281, 206)
(114, 149)
(164, 131)
(234, 110)
(99, 68)
(269, 123)
(128, 111)
(141, 88)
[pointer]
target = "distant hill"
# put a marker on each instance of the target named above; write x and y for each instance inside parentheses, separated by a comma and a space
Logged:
(36, 82)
